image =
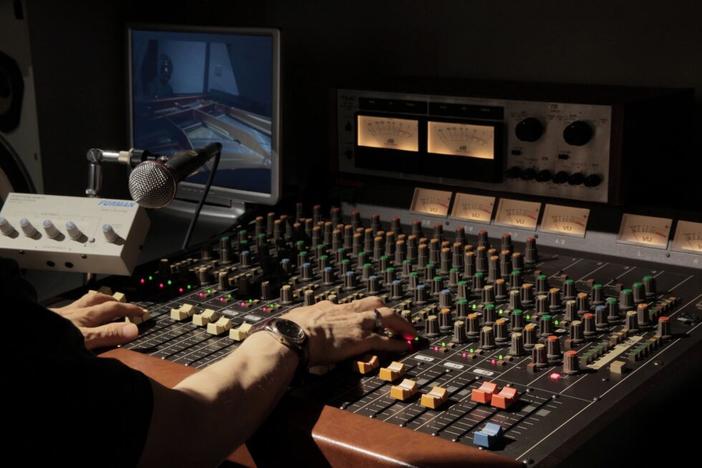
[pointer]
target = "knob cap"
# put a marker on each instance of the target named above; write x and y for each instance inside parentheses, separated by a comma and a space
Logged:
(561, 177)
(51, 230)
(571, 364)
(487, 338)
(538, 355)
(501, 330)
(516, 320)
(528, 174)
(459, 332)
(576, 179)
(29, 229)
(593, 180)
(431, 326)
(110, 234)
(544, 175)
(7, 229)
(514, 172)
(578, 133)
(529, 129)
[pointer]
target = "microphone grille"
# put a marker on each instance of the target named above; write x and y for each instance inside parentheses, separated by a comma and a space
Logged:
(152, 185)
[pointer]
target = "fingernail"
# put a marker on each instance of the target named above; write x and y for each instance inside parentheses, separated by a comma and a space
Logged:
(130, 331)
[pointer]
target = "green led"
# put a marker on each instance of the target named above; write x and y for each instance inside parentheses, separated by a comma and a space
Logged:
(528, 317)
(443, 344)
(209, 291)
(475, 306)
(500, 312)
(471, 350)
(169, 282)
(499, 357)
(190, 286)
(555, 322)
(416, 338)
(151, 278)
(250, 301)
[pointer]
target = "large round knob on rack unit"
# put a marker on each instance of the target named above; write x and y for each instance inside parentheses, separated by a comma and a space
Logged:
(593, 180)
(578, 133)
(514, 172)
(561, 177)
(576, 179)
(544, 175)
(529, 129)
(528, 174)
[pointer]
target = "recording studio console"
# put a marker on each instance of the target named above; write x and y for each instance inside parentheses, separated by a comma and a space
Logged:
(522, 349)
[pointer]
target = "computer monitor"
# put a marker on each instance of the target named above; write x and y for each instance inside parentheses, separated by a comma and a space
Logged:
(191, 86)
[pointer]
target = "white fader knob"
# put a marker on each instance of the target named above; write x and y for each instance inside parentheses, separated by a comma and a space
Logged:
(74, 232)
(7, 229)
(28, 229)
(110, 235)
(51, 230)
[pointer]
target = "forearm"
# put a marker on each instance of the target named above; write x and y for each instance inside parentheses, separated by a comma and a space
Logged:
(206, 416)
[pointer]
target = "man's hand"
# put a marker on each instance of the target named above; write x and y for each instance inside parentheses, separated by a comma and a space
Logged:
(94, 314)
(337, 332)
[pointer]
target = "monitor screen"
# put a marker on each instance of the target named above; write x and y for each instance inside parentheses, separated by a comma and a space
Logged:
(193, 86)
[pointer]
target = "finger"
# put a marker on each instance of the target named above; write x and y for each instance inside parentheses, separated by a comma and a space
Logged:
(367, 303)
(383, 343)
(396, 323)
(92, 298)
(112, 334)
(107, 312)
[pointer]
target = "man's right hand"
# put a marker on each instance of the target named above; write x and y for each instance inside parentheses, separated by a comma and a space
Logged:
(339, 331)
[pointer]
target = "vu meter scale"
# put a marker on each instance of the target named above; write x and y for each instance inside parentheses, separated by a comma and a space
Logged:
(388, 133)
(645, 230)
(477, 141)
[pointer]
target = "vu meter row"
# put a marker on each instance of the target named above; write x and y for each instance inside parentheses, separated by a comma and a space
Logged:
(513, 342)
(646, 231)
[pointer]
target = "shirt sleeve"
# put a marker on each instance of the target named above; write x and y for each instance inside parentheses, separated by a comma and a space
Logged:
(70, 407)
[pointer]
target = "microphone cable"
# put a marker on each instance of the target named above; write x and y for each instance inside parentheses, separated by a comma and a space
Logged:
(196, 214)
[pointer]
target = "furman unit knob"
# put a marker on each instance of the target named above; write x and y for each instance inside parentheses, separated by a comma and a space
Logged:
(571, 363)
(529, 129)
(51, 230)
(487, 338)
(431, 326)
(529, 333)
(7, 229)
(110, 235)
(459, 332)
(473, 324)
(74, 232)
(553, 349)
(516, 320)
(501, 330)
(578, 133)
(516, 346)
(663, 330)
(28, 229)
(538, 356)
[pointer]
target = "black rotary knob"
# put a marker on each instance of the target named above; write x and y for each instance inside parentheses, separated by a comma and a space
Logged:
(561, 177)
(578, 133)
(593, 180)
(528, 174)
(529, 129)
(576, 179)
(514, 172)
(544, 176)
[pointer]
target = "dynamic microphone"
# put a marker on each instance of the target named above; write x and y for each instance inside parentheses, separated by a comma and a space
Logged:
(152, 184)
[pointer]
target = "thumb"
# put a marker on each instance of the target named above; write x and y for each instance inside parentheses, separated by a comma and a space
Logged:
(112, 334)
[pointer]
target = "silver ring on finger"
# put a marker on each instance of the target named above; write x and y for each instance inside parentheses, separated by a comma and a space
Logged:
(378, 328)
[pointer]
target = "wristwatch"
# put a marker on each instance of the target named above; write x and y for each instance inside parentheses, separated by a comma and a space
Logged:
(293, 336)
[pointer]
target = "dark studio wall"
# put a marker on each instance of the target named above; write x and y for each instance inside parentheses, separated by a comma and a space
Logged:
(78, 50)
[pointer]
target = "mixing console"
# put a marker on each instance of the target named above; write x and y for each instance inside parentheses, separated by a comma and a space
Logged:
(520, 346)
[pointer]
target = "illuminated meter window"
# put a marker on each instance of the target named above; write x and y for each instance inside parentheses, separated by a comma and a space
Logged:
(459, 139)
(388, 133)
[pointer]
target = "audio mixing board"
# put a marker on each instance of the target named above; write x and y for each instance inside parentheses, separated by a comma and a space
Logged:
(520, 346)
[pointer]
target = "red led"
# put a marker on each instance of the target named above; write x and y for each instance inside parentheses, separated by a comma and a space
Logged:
(160, 285)
(555, 376)
(493, 361)
(142, 281)
(181, 290)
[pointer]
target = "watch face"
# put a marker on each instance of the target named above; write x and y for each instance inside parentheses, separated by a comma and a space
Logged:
(290, 329)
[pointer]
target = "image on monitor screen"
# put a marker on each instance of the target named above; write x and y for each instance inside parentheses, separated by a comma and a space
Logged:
(189, 88)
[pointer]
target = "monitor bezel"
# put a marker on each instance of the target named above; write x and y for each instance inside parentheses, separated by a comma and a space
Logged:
(218, 195)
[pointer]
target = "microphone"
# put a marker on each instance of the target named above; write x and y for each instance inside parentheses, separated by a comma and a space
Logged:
(152, 184)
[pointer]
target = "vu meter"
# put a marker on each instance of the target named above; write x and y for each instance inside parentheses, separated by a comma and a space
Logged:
(517, 213)
(644, 230)
(458, 139)
(688, 237)
(431, 202)
(565, 220)
(475, 208)
(388, 133)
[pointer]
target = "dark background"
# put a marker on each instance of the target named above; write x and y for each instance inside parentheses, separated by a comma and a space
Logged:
(78, 50)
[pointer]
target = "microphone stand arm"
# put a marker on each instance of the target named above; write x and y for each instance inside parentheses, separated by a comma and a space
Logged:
(96, 157)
